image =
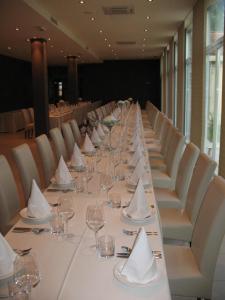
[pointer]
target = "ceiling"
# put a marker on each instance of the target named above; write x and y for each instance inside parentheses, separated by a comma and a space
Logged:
(95, 30)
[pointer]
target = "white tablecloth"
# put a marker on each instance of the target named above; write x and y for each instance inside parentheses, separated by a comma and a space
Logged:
(70, 269)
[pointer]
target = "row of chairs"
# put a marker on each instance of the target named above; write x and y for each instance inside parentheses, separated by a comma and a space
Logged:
(191, 206)
(99, 113)
(61, 143)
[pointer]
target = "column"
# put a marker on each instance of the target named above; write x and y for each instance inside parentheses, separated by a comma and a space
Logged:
(40, 85)
(72, 79)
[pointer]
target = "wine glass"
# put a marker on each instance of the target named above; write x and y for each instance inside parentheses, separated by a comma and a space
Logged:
(90, 169)
(106, 183)
(95, 219)
(66, 211)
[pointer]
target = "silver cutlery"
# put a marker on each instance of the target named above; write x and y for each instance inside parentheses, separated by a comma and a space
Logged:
(22, 252)
(127, 254)
(28, 229)
(134, 232)
(128, 250)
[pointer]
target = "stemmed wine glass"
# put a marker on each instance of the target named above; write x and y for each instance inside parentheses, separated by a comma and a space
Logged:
(95, 219)
(106, 183)
(90, 169)
(65, 210)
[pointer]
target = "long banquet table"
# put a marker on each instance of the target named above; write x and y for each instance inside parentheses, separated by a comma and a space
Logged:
(70, 269)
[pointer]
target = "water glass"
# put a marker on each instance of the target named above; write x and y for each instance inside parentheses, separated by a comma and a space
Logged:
(95, 219)
(56, 224)
(106, 246)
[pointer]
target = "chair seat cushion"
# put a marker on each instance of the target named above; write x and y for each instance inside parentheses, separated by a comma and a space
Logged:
(155, 154)
(185, 278)
(161, 179)
(167, 198)
(175, 224)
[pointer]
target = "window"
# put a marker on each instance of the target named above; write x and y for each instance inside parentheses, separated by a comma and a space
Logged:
(188, 77)
(213, 81)
(175, 84)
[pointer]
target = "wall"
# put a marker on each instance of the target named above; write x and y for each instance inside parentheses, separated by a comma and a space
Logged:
(15, 84)
(138, 79)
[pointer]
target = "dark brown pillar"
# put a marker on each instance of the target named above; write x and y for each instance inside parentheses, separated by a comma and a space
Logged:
(40, 85)
(72, 79)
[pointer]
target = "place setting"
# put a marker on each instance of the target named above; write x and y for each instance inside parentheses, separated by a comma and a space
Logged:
(138, 265)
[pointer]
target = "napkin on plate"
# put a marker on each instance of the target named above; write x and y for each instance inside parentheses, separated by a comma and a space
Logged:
(105, 128)
(140, 172)
(141, 265)
(135, 157)
(38, 206)
(62, 174)
(138, 207)
(7, 256)
(96, 140)
(100, 131)
(77, 158)
(87, 145)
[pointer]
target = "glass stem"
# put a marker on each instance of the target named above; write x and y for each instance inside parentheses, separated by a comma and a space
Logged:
(96, 239)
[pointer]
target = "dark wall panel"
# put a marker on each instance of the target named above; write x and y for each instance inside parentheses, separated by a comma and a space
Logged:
(138, 79)
(15, 84)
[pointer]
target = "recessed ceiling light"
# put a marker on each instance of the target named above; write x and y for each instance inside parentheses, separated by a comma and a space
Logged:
(144, 39)
(28, 40)
(150, 0)
(51, 46)
(61, 51)
(105, 39)
(9, 48)
(92, 18)
(64, 56)
(81, 2)
(147, 17)
(109, 45)
(49, 39)
(143, 50)
(17, 29)
(100, 31)
(146, 29)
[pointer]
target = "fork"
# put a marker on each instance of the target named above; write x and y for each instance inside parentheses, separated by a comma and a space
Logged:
(134, 232)
(22, 252)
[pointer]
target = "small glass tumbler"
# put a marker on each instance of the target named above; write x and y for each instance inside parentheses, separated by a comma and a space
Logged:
(106, 246)
(56, 224)
(115, 199)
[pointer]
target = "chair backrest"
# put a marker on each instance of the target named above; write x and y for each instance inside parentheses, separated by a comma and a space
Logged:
(9, 199)
(76, 131)
(185, 170)
(209, 229)
(26, 167)
(202, 175)
(59, 144)
(166, 136)
(159, 124)
(69, 138)
(47, 157)
(26, 116)
(31, 114)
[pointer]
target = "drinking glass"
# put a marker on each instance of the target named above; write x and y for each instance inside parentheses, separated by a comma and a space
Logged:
(106, 246)
(26, 276)
(65, 210)
(95, 219)
(106, 184)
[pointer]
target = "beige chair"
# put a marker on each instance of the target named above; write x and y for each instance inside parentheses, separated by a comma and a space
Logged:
(167, 178)
(76, 132)
(47, 157)
(68, 137)
(191, 269)
(176, 198)
(9, 200)
(27, 168)
(59, 144)
(178, 224)
(28, 124)
(31, 114)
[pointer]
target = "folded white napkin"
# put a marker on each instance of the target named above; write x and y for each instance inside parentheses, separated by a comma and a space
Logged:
(38, 206)
(77, 159)
(105, 129)
(138, 207)
(87, 145)
(62, 174)
(141, 265)
(100, 131)
(7, 257)
(140, 172)
(96, 140)
(135, 157)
